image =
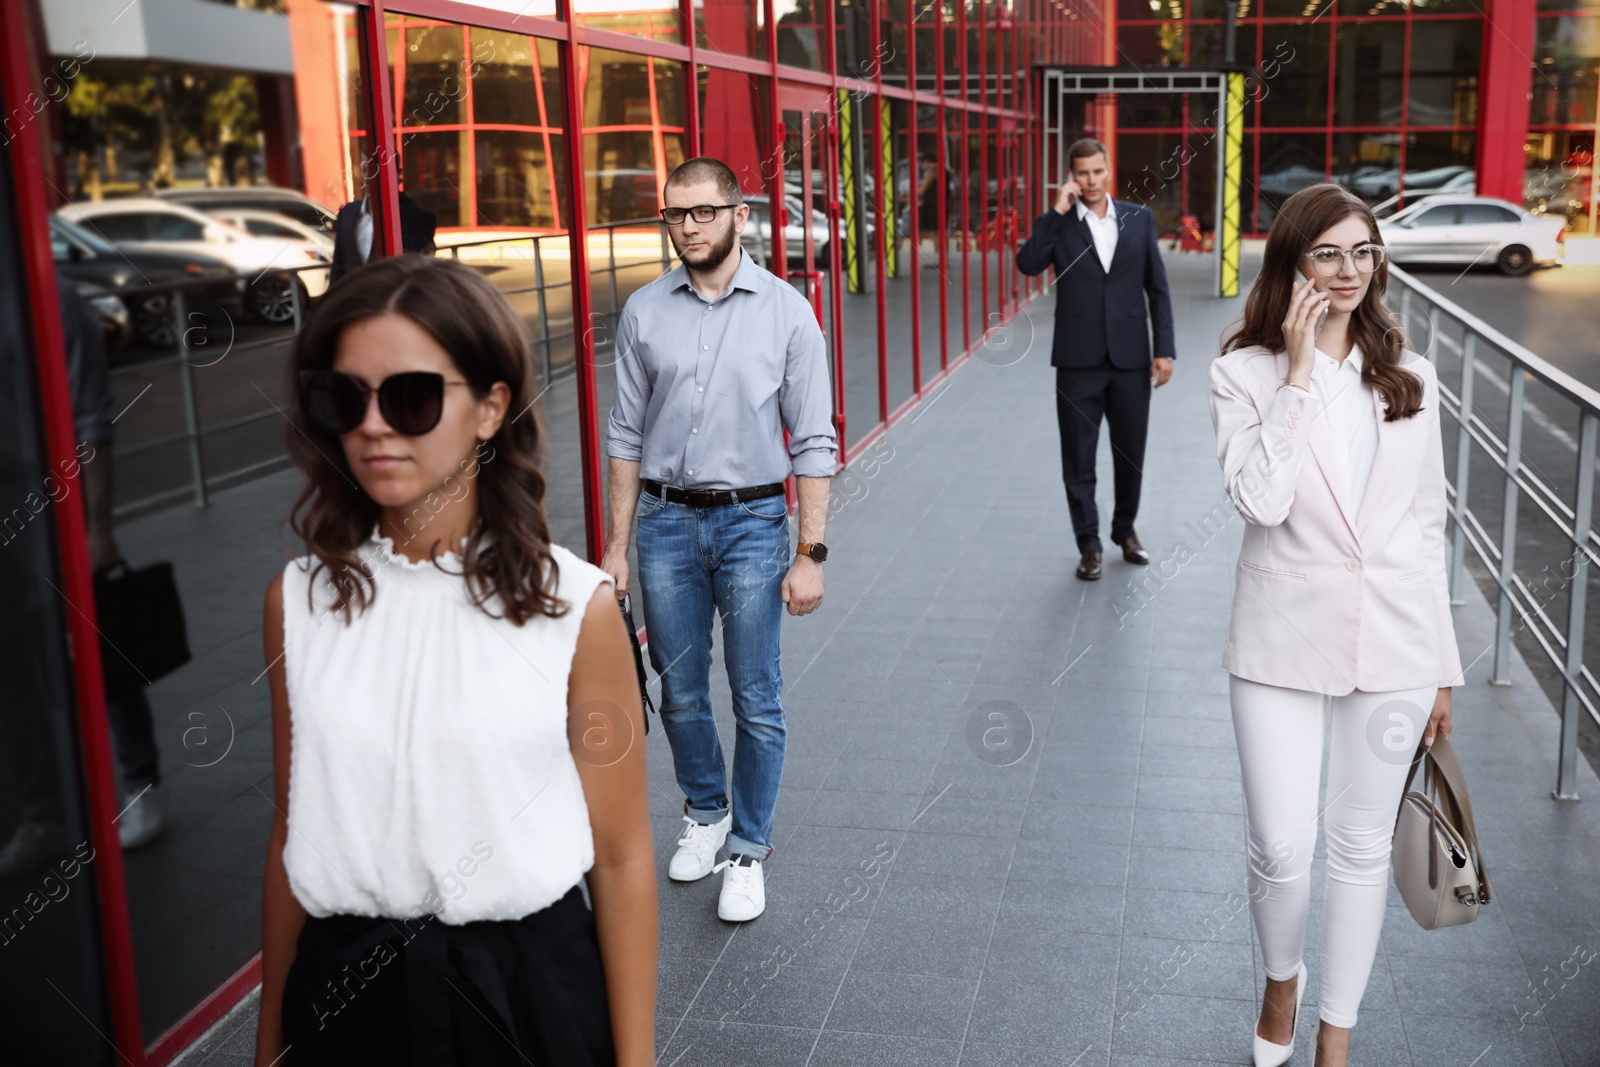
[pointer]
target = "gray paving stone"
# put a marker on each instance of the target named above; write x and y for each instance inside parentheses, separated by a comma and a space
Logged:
(1057, 1015)
(878, 1050)
(910, 1005)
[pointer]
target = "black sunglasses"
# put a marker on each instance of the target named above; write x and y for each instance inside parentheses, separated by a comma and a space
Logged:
(411, 403)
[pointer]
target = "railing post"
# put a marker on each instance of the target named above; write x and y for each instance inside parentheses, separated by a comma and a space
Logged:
(1577, 595)
(191, 411)
(1508, 528)
(1458, 540)
(1405, 307)
(666, 250)
(544, 313)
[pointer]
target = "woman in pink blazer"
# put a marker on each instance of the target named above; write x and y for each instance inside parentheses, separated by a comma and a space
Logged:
(1329, 441)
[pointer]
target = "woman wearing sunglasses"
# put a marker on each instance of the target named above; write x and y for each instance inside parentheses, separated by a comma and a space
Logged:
(455, 711)
(1328, 435)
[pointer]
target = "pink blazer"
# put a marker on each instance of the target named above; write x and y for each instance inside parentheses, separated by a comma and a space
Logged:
(1326, 599)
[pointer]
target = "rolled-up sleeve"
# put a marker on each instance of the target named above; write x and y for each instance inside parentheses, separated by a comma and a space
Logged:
(805, 401)
(625, 429)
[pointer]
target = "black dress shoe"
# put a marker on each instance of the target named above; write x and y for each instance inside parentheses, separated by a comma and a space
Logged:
(1089, 566)
(1132, 550)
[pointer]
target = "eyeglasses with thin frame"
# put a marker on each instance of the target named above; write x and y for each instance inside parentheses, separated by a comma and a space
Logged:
(674, 216)
(1328, 262)
(411, 402)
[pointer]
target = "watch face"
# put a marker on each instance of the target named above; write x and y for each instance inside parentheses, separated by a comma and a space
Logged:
(819, 551)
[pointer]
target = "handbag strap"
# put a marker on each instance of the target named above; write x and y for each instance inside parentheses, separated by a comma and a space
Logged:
(1442, 776)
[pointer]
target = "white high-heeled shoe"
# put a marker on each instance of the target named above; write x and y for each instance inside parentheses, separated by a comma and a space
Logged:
(1269, 1053)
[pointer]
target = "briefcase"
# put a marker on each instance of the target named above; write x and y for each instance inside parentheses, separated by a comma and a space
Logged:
(142, 635)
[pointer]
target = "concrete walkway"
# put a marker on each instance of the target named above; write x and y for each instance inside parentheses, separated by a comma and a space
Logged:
(1011, 829)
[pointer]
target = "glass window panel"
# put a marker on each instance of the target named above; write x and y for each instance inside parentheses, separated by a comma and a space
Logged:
(899, 257)
(656, 19)
(951, 75)
(505, 87)
(1560, 165)
(930, 235)
(892, 35)
(432, 75)
(1142, 10)
(975, 51)
(1206, 45)
(957, 223)
(734, 26)
(1294, 60)
(633, 132)
(1367, 84)
(853, 42)
(432, 163)
(1150, 174)
(49, 925)
(1566, 67)
(802, 30)
(1434, 159)
(1444, 72)
(926, 13)
(1434, 7)
(1368, 164)
(1289, 162)
(1150, 46)
(734, 122)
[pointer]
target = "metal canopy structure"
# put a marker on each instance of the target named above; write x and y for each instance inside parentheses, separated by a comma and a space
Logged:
(1226, 126)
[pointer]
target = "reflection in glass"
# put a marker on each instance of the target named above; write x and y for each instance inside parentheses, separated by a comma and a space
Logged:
(1294, 60)
(899, 257)
(655, 19)
(1566, 56)
(48, 896)
(1366, 86)
(1289, 162)
(802, 28)
(930, 237)
(1443, 90)
(734, 26)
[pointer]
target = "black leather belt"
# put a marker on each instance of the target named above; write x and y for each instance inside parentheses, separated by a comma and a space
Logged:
(709, 498)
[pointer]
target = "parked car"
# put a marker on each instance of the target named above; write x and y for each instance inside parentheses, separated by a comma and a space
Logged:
(1473, 229)
(158, 225)
(757, 236)
(1386, 183)
(137, 278)
(297, 206)
(275, 227)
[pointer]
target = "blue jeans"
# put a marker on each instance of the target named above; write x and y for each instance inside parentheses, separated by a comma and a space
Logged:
(732, 558)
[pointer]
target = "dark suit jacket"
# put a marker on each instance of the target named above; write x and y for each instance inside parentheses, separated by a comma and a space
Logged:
(1100, 312)
(417, 225)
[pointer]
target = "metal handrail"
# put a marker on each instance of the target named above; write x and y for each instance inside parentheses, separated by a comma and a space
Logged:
(1562, 646)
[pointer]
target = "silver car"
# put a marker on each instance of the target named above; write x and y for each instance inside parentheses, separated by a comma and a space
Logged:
(1469, 230)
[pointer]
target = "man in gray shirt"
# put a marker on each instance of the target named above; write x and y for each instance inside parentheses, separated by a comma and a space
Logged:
(714, 360)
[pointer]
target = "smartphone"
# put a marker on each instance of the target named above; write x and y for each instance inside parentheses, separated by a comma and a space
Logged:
(1299, 280)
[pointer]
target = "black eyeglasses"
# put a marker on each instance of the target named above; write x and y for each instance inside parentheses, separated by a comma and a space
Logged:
(673, 216)
(411, 403)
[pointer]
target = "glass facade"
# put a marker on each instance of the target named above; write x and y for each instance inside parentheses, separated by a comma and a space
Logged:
(1378, 95)
(1564, 113)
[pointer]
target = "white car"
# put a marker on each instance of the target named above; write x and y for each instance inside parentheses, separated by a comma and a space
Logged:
(1468, 230)
(272, 226)
(149, 224)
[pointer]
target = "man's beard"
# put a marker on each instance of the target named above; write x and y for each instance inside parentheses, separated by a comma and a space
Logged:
(715, 254)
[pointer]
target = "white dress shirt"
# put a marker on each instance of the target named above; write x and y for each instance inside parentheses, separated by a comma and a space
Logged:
(1347, 403)
(1103, 230)
(364, 231)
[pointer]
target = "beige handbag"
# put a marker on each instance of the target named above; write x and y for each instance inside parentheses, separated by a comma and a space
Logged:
(1438, 866)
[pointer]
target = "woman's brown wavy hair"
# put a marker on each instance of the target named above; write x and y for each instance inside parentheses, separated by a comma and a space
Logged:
(1302, 218)
(507, 554)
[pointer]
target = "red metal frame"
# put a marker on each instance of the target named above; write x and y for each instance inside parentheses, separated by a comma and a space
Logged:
(72, 544)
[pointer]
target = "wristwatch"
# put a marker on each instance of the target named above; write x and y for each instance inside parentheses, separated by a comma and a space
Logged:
(815, 549)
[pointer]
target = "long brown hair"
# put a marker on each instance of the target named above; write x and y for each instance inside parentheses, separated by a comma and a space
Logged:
(507, 554)
(1302, 218)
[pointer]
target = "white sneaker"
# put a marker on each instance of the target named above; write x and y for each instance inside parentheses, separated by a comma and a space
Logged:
(698, 848)
(141, 823)
(744, 890)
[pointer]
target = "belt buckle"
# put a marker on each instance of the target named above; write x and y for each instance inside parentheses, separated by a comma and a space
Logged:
(699, 498)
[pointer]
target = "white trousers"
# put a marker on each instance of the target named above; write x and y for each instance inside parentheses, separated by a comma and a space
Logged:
(1279, 733)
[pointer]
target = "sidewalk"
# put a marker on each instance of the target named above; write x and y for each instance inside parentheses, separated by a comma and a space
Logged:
(1011, 829)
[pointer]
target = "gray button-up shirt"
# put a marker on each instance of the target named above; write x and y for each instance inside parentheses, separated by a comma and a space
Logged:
(704, 389)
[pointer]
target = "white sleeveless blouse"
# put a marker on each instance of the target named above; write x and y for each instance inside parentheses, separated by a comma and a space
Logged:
(430, 769)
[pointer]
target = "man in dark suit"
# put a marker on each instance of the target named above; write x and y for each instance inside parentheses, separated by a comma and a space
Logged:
(353, 237)
(1107, 265)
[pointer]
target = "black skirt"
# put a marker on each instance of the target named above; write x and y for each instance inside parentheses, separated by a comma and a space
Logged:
(416, 991)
